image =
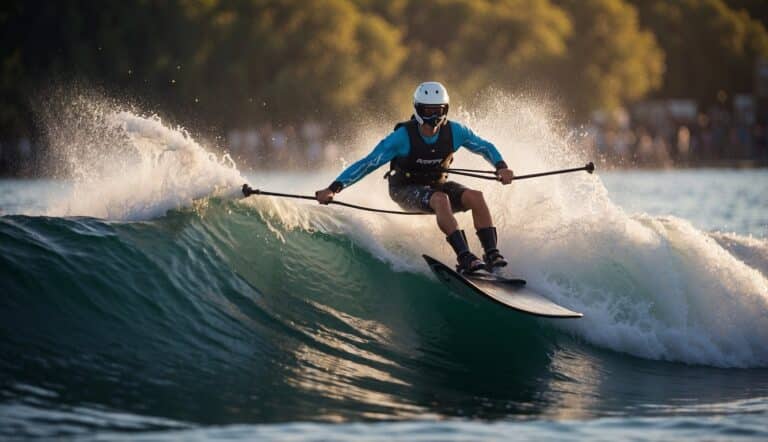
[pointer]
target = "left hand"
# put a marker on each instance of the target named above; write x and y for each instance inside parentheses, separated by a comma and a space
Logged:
(505, 176)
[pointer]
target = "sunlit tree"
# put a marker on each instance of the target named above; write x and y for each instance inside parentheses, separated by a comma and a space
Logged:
(611, 60)
(709, 46)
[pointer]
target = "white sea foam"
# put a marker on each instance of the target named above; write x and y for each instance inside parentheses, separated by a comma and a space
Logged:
(654, 287)
(125, 166)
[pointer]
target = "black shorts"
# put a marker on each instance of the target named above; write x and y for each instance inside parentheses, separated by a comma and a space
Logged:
(415, 197)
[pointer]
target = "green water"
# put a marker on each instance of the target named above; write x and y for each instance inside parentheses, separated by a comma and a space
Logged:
(263, 319)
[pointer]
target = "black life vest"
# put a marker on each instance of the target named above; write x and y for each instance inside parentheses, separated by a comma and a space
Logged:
(425, 163)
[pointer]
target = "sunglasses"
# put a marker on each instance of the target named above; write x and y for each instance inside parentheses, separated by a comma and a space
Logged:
(426, 110)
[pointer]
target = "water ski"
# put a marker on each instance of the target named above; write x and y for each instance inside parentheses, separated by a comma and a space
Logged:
(509, 292)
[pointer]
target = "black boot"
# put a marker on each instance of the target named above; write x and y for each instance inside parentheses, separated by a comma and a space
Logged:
(492, 257)
(468, 262)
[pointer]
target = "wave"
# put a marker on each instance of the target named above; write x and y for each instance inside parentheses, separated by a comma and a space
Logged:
(203, 303)
(654, 287)
(261, 305)
(180, 290)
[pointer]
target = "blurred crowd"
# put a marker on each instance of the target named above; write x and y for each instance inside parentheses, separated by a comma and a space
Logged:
(259, 147)
(651, 134)
(288, 147)
(674, 133)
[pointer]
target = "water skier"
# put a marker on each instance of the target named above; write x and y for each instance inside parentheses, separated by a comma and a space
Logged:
(419, 151)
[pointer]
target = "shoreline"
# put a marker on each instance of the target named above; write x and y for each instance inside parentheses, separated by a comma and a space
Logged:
(706, 164)
(600, 166)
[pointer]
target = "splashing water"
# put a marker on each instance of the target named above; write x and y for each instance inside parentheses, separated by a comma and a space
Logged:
(125, 166)
(653, 287)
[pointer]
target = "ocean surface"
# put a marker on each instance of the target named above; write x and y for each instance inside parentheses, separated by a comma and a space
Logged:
(142, 299)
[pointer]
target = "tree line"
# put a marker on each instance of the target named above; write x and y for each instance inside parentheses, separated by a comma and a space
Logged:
(229, 63)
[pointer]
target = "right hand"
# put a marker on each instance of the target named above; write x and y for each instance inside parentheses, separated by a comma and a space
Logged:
(506, 176)
(324, 196)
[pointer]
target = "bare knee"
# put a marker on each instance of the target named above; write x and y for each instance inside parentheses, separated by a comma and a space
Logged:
(440, 202)
(473, 199)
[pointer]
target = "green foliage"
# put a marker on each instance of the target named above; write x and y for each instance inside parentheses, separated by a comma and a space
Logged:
(475, 44)
(231, 63)
(709, 46)
(610, 60)
(288, 60)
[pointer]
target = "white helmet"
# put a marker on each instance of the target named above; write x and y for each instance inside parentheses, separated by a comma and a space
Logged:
(430, 101)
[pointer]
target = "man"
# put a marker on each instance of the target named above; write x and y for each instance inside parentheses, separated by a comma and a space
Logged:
(419, 151)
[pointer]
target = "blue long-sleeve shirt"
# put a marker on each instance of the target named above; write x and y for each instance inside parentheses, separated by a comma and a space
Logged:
(397, 144)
